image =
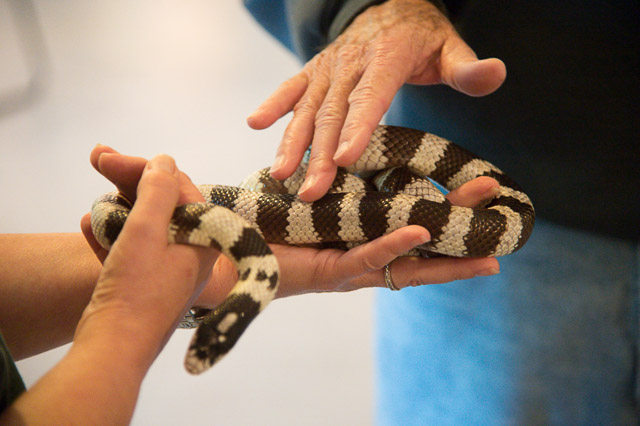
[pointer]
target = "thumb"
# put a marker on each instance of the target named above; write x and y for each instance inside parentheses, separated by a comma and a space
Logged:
(157, 196)
(461, 69)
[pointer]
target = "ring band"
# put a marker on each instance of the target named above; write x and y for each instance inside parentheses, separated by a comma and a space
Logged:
(387, 278)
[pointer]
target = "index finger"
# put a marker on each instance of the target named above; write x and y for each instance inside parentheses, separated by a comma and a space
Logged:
(368, 102)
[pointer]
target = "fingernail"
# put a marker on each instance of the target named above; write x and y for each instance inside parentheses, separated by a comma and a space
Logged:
(488, 272)
(342, 148)
(106, 155)
(308, 184)
(492, 192)
(163, 162)
(277, 163)
(421, 240)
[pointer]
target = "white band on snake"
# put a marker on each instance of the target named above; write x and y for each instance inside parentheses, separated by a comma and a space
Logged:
(385, 190)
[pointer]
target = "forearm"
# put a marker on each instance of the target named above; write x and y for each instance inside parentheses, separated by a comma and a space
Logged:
(98, 380)
(46, 281)
(144, 287)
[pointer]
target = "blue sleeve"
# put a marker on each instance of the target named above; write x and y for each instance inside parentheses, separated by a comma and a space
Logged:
(272, 15)
(305, 26)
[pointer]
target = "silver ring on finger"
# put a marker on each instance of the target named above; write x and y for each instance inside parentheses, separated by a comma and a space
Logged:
(387, 278)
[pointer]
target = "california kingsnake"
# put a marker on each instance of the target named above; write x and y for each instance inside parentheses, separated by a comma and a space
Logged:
(351, 215)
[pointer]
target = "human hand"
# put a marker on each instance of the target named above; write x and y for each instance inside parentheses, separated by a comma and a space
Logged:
(146, 284)
(310, 270)
(125, 172)
(144, 288)
(341, 94)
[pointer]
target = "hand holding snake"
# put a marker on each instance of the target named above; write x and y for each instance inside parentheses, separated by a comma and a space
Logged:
(146, 284)
(307, 269)
(337, 100)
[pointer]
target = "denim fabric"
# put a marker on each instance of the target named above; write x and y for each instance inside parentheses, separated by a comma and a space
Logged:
(552, 339)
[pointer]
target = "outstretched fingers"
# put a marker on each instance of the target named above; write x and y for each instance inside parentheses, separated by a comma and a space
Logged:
(413, 271)
(329, 120)
(377, 253)
(368, 102)
(363, 265)
(299, 132)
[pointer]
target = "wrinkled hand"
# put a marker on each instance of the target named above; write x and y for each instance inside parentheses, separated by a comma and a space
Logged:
(341, 94)
(309, 270)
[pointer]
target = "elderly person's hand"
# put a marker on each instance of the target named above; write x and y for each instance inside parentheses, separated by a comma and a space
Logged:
(341, 94)
(308, 270)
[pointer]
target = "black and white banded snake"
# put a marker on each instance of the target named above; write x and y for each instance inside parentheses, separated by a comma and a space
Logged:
(238, 220)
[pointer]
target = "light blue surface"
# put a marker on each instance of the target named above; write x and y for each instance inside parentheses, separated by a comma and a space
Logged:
(551, 339)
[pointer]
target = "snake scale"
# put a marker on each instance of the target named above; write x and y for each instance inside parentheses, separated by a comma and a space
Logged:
(238, 220)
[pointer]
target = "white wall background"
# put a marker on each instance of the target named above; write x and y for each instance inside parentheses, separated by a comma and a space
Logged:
(173, 76)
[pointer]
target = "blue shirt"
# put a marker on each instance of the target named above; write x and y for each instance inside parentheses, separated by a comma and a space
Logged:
(564, 125)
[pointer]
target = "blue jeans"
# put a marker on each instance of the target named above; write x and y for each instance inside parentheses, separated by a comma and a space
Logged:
(552, 339)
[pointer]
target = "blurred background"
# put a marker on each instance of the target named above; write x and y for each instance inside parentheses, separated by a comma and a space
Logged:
(179, 77)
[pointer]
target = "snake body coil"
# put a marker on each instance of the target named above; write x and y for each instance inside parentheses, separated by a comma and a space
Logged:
(396, 161)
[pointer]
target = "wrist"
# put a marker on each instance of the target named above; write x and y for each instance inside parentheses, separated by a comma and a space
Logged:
(103, 369)
(121, 336)
(350, 9)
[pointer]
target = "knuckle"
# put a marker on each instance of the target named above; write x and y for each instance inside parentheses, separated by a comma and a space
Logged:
(329, 115)
(288, 142)
(320, 162)
(160, 180)
(304, 108)
(383, 52)
(366, 94)
(347, 54)
(372, 259)
(317, 67)
(349, 129)
(353, 127)
(367, 265)
(417, 282)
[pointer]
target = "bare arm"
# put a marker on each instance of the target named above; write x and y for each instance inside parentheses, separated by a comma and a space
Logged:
(46, 281)
(145, 286)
